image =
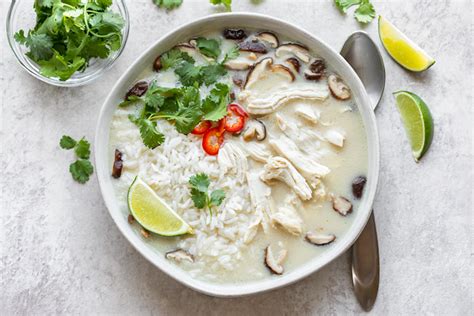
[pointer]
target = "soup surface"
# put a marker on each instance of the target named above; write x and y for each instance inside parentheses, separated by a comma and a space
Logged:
(289, 152)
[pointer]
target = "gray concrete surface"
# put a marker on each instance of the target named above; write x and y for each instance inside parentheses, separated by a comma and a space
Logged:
(62, 254)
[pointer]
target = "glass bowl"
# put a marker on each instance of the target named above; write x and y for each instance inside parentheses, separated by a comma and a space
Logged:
(21, 16)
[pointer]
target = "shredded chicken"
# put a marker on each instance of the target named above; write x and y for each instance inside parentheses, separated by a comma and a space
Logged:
(285, 216)
(281, 169)
(231, 159)
(260, 198)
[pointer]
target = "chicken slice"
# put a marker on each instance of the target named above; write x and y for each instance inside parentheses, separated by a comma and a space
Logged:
(257, 151)
(232, 159)
(307, 112)
(285, 216)
(281, 169)
(310, 169)
(260, 198)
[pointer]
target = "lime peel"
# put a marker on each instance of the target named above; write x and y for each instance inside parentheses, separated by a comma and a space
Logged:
(417, 120)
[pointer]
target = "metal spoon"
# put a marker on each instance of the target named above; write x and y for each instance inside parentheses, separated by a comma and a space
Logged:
(363, 55)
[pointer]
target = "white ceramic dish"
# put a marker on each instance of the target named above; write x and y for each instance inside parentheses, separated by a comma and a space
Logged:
(215, 22)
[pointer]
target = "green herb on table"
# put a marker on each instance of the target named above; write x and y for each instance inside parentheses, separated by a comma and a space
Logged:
(364, 13)
(168, 4)
(226, 3)
(68, 34)
(82, 168)
(200, 192)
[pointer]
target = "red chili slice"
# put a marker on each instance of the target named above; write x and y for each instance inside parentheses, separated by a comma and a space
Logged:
(201, 128)
(235, 119)
(212, 141)
(221, 125)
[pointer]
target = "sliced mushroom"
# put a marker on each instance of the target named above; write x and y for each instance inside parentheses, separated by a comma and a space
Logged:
(272, 263)
(316, 70)
(255, 128)
(319, 239)
(234, 34)
(254, 46)
(157, 64)
(118, 164)
(358, 186)
(238, 82)
(342, 205)
(294, 64)
(269, 38)
(138, 89)
(297, 50)
(265, 68)
(338, 88)
(238, 64)
(145, 233)
(193, 51)
(179, 255)
(130, 219)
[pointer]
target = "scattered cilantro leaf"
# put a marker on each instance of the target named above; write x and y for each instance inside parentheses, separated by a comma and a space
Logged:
(67, 142)
(188, 73)
(209, 74)
(364, 13)
(151, 137)
(226, 3)
(200, 192)
(200, 182)
(233, 53)
(82, 149)
(209, 47)
(81, 170)
(168, 4)
(69, 33)
(174, 57)
(217, 197)
(215, 104)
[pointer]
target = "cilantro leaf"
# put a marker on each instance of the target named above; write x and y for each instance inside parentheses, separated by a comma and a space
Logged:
(217, 197)
(233, 53)
(188, 73)
(168, 4)
(209, 74)
(81, 170)
(199, 198)
(69, 33)
(82, 149)
(343, 5)
(226, 3)
(174, 57)
(151, 137)
(365, 12)
(215, 104)
(200, 182)
(209, 47)
(67, 142)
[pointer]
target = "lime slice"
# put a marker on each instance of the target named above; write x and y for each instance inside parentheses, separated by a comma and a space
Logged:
(152, 212)
(402, 49)
(416, 118)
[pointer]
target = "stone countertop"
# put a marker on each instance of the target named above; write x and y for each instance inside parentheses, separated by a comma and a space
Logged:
(61, 253)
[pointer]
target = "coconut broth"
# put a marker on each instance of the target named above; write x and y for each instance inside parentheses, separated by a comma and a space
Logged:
(318, 215)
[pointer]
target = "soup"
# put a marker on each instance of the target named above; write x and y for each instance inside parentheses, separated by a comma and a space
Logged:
(264, 122)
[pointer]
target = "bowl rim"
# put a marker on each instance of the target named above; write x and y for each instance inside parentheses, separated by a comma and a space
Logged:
(110, 62)
(245, 288)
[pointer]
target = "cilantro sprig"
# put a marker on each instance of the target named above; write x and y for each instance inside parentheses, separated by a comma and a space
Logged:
(82, 168)
(69, 33)
(199, 185)
(173, 4)
(364, 13)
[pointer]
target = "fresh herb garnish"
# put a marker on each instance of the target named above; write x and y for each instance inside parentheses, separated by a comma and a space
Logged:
(69, 33)
(226, 3)
(200, 192)
(364, 13)
(82, 168)
(168, 4)
(209, 47)
(215, 104)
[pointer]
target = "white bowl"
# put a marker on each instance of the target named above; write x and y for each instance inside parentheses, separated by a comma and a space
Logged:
(219, 22)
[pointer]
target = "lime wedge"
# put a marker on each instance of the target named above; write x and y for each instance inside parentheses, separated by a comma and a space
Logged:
(416, 118)
(152, 212)
(402, 49)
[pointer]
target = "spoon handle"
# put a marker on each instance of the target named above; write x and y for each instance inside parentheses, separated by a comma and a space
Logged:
(365, 265)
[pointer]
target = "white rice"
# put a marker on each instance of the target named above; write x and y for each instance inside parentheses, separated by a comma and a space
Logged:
(218, 240)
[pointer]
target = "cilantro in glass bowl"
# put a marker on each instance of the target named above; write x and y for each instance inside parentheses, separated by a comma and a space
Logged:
(67, 42)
